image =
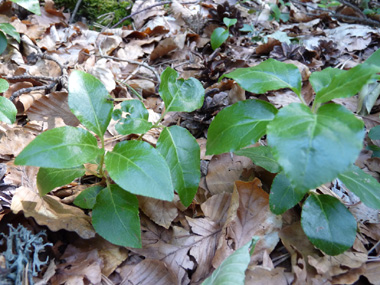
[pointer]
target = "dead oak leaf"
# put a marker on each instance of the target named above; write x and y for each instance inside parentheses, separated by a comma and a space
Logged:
(249, 215)
(48, 211)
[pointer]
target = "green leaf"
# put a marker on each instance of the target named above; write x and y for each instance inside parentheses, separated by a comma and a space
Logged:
(313, 149)
(322, 79)
(229, 22)
(347, 84)
(136, 120)
(63, 147)
(232, 269)
(180, 95)
(4, 85)
(49, 178)
(10, 31)
(283, 195)
(375, 150)
(88, 101)
(218, 37)
(87, 198)
(328, 224)
(374, 59)
(261, 156)
(363, 185)
(268, 75)
(3, 42)
(115, 217)
(239, 125)
(374, 133)
(182, 154)
(8, 110)
(140, 169)
(30, 5)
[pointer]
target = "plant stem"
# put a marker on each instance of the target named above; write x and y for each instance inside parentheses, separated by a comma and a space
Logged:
(101, 170)
(133, 90)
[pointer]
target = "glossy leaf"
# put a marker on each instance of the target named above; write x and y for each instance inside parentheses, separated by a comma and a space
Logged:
(49, 178)
(8, 110)
(363, 185)
(218, 37)
(261, 156)
(136, 119)
(87, 198)
(10, 31)
(115, 217)
(268, 75)
(239, 125)
(322, 79)
(180, 95)
(30, 5)
(182, 154)
(328, 224)
(140, 169)
(63, 147)
(374, 133)
(232, 269)
(88, 100)
(4, 85)
(313, 149)
(229, 22)
(3, 42)
(374, 59)
(283, 196)
(347, 84)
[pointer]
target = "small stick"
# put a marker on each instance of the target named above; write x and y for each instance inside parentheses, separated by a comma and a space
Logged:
(30, 89)
(75, 11)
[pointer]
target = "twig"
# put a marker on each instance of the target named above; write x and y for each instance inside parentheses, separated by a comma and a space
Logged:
(134, 62)
(148, 8)
(19, 77)
(30, 89)
(75, 11)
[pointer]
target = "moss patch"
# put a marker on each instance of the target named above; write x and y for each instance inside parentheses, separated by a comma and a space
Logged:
(92, 9)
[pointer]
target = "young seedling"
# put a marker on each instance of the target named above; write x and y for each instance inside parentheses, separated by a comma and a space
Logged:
(133, 167)
(307, 147)
(220, 35)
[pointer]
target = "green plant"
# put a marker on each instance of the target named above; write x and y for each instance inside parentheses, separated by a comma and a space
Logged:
(220, 35)
(30, 5)
(232, 269)
(306, 146)
(133, 167)
(328, 3)
(276, 12)
(7, 29)
(8, 110)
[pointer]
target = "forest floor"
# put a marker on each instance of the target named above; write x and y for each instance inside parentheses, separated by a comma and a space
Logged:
(183, 245)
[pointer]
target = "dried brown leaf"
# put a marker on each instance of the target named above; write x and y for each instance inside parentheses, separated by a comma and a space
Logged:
(147, 271)
(225, 169)
(248, 216)
(160, 212)
(78, 267)
(48, 211)
(54, 110)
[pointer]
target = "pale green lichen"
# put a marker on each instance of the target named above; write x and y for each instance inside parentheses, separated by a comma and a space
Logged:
(22, 254)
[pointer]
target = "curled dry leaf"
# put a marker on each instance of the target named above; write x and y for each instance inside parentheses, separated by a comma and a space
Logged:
(54, 110)
(160, 212)
(147, 271)
(47, 211)
(225, 169)
(13, 140)
(249, 215)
